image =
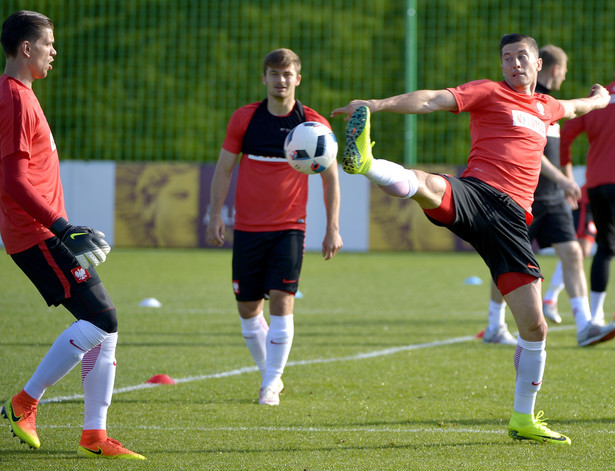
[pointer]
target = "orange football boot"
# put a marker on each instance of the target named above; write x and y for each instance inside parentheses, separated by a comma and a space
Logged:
(96, 444)
(20, 410)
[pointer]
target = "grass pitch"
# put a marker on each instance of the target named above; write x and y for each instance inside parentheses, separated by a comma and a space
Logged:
(385, 372)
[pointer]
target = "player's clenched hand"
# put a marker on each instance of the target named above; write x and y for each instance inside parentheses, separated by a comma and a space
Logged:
(215, 231)
(87, 245)
(602, 93)
(571, 189)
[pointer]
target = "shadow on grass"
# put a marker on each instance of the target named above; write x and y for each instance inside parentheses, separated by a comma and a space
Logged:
(337, 448)
(442, 424)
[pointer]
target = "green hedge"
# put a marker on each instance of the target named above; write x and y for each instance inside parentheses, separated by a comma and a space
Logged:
(139, 80)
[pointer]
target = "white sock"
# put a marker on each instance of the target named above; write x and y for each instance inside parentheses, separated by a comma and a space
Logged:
(530, 358)
(98, 377)
(393, 178)
(555, 286)
(254, 333)
(580, 311)
(597, 306)
(279, 343)
(497, 315)
(68, 350)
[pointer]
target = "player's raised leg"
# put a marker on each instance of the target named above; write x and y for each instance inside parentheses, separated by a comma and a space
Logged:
(425, 188)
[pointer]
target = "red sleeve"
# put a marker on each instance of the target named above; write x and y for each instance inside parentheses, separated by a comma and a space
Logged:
(470, 96)
(557, 109)
(570, 131)
(16, 185)
(237, 128)
(312, 115)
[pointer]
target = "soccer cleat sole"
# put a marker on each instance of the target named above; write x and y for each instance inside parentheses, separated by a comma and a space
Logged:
(561, 440)
(596, 340)
(86, 453)
(351, 159)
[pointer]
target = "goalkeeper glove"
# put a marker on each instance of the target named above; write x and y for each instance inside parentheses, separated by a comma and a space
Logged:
(86, 244)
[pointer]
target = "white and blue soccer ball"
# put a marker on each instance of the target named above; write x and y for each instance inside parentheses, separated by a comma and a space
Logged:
(311, 147)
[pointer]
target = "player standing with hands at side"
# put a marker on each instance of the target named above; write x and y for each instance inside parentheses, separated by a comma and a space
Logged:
(489, 206)
(270, 203)
(59, 258)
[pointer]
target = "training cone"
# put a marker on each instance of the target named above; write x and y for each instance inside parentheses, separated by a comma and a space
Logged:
(161, 379)
(150, 302)
(480, 335)
(473, 280)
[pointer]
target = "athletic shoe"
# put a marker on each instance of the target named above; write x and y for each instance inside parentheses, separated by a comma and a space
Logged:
(270, 396)
(549, 309)
(499, 336)
(595, 333)
(23, 422)
(526, 427)
(108, 448)
(357, 156)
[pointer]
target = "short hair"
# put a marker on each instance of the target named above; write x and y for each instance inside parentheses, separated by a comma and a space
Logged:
(552, 55)
(23, 25)
(518, 38)
(282, 58)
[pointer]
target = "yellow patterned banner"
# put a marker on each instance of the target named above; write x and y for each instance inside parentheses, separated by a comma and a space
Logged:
(397, 224)
(157, 205)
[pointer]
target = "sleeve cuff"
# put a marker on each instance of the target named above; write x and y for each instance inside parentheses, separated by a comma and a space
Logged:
(59, 227)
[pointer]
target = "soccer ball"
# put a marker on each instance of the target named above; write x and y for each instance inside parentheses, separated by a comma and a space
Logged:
(310, 147)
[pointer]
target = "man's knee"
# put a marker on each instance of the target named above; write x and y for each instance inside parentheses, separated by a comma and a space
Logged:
(106, 320)
(431, 189)
(95, 306)
(570, 253)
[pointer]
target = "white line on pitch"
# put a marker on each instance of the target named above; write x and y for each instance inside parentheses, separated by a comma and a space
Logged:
(315, 361)
(450, 429)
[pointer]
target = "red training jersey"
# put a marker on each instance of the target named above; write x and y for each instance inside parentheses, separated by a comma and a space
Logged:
(25, 133)
(599, 126)
(270, 195)
(508, 135)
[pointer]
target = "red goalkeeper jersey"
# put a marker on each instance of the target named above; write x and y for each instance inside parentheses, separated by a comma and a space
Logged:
(36, 198)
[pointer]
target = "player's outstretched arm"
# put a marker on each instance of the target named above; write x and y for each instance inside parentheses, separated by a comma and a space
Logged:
(87, 245)
(418, 102)
(598, 98)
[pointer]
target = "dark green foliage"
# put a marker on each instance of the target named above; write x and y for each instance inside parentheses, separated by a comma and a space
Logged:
(159, 79)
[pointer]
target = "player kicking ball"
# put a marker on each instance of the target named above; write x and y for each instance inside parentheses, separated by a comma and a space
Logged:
(489, 206)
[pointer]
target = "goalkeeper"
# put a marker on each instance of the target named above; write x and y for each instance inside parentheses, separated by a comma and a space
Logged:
(59, 258)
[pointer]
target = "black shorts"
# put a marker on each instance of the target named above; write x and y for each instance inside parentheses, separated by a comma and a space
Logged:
(494, 225)
(54, 271)
(552, 223)
(263, 261)
(602, 201)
